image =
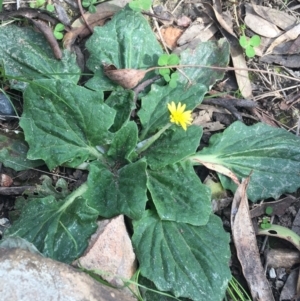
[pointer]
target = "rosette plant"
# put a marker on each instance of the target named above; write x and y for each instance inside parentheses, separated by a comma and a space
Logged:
(141, 166)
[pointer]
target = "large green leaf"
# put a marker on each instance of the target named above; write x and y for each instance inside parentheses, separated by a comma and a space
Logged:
(272, 154)
(123, 103)
(190, 261)
(211, 53)
(13, 153)
(127, 41)
(154, 113)
(26, 54)
(59, 230)
(124, 143)
(113, 192)
(63, 122)
(173, 146)
(179, 195)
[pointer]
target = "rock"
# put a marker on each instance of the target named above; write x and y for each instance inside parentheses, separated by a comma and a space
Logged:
(26, 276)
(110, 251)
(6, 109)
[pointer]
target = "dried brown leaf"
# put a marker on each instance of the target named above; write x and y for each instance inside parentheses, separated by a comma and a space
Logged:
(291, 34)
(171, 35)
(237, 53)
(221, 169)
(274, 16)
(246, 245)
(259, 25)
(104, 12)
(127, 78)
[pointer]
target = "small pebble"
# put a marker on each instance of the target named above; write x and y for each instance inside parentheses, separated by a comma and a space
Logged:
(6, 109)
(272, 273)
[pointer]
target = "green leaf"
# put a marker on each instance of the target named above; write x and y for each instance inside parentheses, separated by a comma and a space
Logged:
(167, 77)
(173, 59)
(26, 55)
(163, 60)
(243, 41)
(60, 230)
(190, 261)
(174, 76)
(179, 195)
(50, 8)
(173, 146)
(86, 3)
(63, 122)
(127, 41)
(173, 83)
(208, 54)
(165, 71)
(123, 103)
(139, 5)
(250, 52)
(255, 41)
(59, 27)
(124, 143)
(272, 154)
(92, 9)
(149, 292)
(13, 153)
(58, 35)
(154, 113)
(113, 192)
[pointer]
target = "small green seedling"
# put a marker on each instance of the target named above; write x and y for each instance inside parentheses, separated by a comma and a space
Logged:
(269, 210)
(50, 8)
(90, 4)
(168, 60)
(37, 3)
(265, 224)
(249, 44)
(139, 5)
(58, 31)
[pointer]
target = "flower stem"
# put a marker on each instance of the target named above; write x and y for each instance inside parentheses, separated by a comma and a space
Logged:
(143, 145)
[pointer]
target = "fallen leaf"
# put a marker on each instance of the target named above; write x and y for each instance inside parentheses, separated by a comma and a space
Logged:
(171, 35)
(274, 16)
(259, 25)
(278, 207)
(127, 78)
(220, 169)
(291, 34)
(237, 53)
(246, 246)
(290, 61)
(281, 258)
(104, 12)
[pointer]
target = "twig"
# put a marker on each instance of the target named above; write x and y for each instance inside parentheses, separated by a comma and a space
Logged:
(83, 17)
(48, 34)
(158, 31)
(231, 104)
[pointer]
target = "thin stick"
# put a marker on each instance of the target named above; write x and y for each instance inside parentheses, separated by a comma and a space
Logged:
(224, 68)
(83, 17)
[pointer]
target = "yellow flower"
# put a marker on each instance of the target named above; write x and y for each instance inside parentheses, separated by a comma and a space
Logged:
(179, 116)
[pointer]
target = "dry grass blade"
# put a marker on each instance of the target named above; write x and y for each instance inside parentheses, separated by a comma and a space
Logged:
(246, 246)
